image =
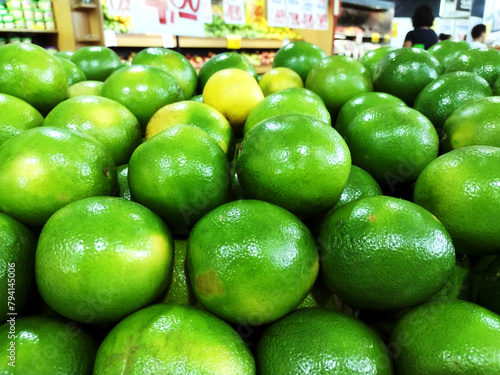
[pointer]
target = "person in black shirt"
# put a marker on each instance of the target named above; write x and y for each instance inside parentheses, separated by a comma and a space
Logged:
(422, 20)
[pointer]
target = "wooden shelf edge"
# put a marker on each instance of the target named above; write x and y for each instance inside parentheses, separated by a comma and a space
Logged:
(83, 6)
(261, 69)
(28, 31)
(140, 40)
(92, 39)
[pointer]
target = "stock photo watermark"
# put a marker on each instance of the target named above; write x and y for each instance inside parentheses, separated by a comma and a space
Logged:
(11, 306)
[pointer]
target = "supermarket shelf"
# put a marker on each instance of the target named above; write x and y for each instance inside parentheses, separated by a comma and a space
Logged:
(190, 42)
(28, 31)
(89, 39)
(140, 40)
(83, 6)
(261, 69)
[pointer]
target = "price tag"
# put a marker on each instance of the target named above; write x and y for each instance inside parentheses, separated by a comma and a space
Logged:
(110, 38)
(375, 37)
(233, 41)
(168, 40)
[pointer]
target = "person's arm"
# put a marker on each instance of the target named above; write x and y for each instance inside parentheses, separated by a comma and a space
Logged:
(407, 43)
(408, 40)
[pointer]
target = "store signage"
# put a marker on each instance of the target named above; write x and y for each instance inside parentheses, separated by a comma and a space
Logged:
(234, 12)
(254, 11)
(207, 5)
(276, 13)
(464, 5)
(307, 14)
(294, 14)
(119, 8)
(321, 15)
(176, 17)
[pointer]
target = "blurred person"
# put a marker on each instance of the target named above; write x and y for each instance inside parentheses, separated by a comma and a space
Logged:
(442, 37)
(422, 35)
(478, 34)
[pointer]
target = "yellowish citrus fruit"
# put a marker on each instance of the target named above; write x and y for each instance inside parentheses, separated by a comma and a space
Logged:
(101, 258)
(85, 88)
(278, 79)
(234, 93)
(195, 114)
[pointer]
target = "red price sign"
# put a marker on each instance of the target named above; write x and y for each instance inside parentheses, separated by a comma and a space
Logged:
(308, 20)
(168, 9)
(119, 8)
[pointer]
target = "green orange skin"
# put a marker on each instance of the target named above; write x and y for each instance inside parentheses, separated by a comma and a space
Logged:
(173, 63)
(321, 341)
(44, 169)
(180, 192)
(47, 346)
(489, 290)
(296, 162)
(485, 62)
(447, 50)
(337, 79)
(122, 188)
(372, 58)
(450, 337)
(225, 60)
(85, 88)
(360, 184)
(143, 90)
(64, 54)
(441, 97)
(16, 116)
(299, 56)
(30, 73)
(117, 262)
(197, 98)
(413, 249)
(355, 106)
(74, 73)
(240, 240)
(18, 249)
(392, 143)
(460, 188)
(97, 63)
(496, 87)
(405, 72)
(105, 120)
(459, 285)
(173, 339)
(473, 124)
(286, 102)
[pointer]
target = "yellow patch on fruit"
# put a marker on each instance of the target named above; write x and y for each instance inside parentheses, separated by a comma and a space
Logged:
(209, 285)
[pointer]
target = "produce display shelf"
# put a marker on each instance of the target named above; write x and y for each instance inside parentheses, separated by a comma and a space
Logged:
(89, 38)
(83, 6)
(141, 40)
(28, 31)
(261, 69)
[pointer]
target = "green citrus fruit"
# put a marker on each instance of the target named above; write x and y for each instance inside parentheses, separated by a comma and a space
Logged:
(320, 341)
(32, 74)
(296, 162)
(17, 266)
(85, 88)
(123, 189)
(181, 174)
(319, 296)
(143, 90)
(278, 79)
(442, 96)
(195, 114)
(46, 346)
(241, 239)
(405, 72)
(173, 339)
(447, 50)
(109, 122)
(337, 79)
(489, 292)
(101, 258)
(173, 63)
(428, 340)
(16, 116)
(73, 73)
(392, 143)
(44, 169)
(485, 62)
(474, 123)
(226, 60)
(459, 285)
(496, 87)
(197, 98)
(298, 56)
(286, 102)
(410, 253)
(461, 189)
(372, 58)
(353, 107)
(97, 63)
(359, 185)
(64, 54)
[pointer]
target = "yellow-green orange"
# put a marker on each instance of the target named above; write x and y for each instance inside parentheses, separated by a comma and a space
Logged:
(73, 73)
(372, 58)
(320, 341)
(17, 266)
(64, 54)
(278, 79)
(496, 87)
(392, 143)
(173, 339)
(461, 189)
(489, 290)
(298, 56)
(430, 341)
(405, 72)
(107, 121)
(101, 258)
(143, 90)
(47, 346)
(97, 63)
(85, 88)
(195, 114)
(410, 253)
(179, 290)
(337, 79)
(197, 98)
(474, 123)
(296, 162)
(235, 242)
(181, 174)
(447, 50)
(442, 96)
(234, 93)
(44, 169)
(16, 116)
(122, 187)
(173, 63)
(32, 74)
(360, 184)
(485, 62)
(290, 101)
